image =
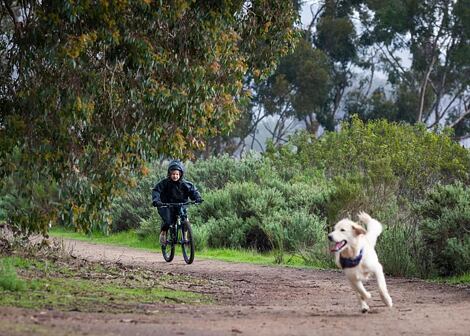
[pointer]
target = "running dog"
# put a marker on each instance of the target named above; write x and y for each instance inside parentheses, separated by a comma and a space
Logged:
(354, 249)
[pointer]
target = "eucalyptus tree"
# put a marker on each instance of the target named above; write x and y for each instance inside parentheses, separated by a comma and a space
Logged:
(309, 85)
(423, 47)
(298, 90)
(91, 90)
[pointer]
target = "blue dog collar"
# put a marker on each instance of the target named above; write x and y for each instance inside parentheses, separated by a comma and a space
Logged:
(349, 263)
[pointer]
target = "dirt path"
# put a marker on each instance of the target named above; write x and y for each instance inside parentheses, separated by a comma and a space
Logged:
(260, 300)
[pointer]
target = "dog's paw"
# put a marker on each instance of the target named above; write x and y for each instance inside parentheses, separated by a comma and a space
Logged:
(364, 307)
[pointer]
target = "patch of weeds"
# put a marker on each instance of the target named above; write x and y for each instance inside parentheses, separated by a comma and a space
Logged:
(77, 285)
(8, 277)
(463, 279)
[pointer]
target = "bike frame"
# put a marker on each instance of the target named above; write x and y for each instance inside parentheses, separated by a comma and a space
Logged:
(187, 246)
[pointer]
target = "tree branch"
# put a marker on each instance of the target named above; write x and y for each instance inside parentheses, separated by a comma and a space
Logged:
(423, 89)
(461, 117)
(11, 13)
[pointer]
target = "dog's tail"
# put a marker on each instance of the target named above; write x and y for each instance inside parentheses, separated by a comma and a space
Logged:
(374, 228)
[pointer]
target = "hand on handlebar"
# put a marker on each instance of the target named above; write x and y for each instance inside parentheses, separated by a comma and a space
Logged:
(160, 204)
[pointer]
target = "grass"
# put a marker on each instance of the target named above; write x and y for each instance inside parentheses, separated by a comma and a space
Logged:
(130, 239)
(126, 238)
(91, 287)
(250, 256)
(463, 279)
(8, 278)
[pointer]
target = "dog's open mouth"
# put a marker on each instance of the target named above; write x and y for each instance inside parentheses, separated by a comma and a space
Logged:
(338, 246)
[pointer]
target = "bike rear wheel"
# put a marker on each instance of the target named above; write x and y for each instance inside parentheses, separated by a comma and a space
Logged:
(168, 249)
(188, 244)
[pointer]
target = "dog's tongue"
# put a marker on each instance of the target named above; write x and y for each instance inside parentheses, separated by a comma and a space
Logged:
(337, 246)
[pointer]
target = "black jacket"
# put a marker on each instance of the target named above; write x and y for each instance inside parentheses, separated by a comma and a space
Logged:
(168, 191)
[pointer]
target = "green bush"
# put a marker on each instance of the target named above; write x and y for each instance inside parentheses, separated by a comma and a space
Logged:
(288, 199)
(297, 231)
(8, 278)
(446, 229)
(400, 250)
(217, 172)
(307, 189)
(275, 215)
(233, 215)
(387, 157)
(135, 206)
(149, 227)
(385, 168)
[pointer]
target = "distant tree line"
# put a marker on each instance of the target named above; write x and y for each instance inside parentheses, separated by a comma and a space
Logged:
(420, 47)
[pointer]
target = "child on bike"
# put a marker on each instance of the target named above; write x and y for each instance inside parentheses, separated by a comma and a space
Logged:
(172, 189)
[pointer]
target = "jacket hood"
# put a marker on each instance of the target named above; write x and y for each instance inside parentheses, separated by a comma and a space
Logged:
(176, 165)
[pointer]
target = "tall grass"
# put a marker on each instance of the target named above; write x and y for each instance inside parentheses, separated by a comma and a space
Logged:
(9, 279)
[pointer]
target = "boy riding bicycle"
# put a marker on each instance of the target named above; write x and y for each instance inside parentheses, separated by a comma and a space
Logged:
(172, 189)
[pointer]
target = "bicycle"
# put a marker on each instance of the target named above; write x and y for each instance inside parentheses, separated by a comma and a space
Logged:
(175, 234)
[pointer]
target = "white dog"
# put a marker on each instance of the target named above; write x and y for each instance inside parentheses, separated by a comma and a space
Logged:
(354, 249)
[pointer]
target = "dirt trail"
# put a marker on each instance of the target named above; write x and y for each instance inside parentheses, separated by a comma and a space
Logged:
(261, 300)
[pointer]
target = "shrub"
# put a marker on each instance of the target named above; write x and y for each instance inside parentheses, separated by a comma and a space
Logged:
(135, 206)
(307, 189)
(217, 172)
(128, 211)
(297, 231)
(149, 227)
(446, 228)
(8, 278)
(400, 250)
(233, 215)
(394, 158)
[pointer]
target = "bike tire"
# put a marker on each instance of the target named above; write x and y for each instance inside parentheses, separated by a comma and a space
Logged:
(188, 245)
(168, 250)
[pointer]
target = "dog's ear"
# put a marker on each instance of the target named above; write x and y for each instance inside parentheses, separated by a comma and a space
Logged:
(358, 230)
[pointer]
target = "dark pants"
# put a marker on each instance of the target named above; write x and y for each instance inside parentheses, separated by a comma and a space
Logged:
(169, 217)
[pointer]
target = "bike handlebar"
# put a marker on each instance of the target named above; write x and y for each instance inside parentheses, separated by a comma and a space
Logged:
(167, 205)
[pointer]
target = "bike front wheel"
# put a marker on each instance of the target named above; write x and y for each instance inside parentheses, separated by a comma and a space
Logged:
(168, 249)
(187, 244)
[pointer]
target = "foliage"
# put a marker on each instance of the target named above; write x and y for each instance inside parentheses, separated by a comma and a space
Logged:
(378, 160)
(336, 34)
(216, 172)
(149, 227)
(265, 213)
(298, 89)
(446, 229)
(129, 209)
(8, 277)
(403, 61)
(300, 232)
(90, 91)
(401, 250)
(55, 283)
(286, 201)
(384, 168)
(234, 215)
(434, 87)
